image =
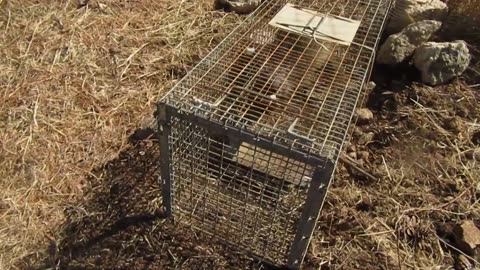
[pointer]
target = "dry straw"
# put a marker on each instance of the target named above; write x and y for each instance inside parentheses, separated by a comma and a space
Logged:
(76, 81)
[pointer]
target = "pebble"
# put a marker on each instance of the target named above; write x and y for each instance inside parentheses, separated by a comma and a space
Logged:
(364, 116)
(357, 132)
(200, 249)
(364, 155)
(366, 138)
(351, 148)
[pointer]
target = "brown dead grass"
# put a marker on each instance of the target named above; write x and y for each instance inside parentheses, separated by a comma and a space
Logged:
(75, 82)
(428, 180)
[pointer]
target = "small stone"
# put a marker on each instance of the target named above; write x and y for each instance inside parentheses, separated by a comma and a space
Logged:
(364, 116)
(441, 62)
(399, 47)
(237, 6)
(366, 138)
(351, 148)
(467, 238)
(357, 132)
(370, 85)
(363, 155)
(406, 12)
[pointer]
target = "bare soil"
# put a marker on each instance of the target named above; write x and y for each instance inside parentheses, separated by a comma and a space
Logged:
(80, 194)
(427, 181)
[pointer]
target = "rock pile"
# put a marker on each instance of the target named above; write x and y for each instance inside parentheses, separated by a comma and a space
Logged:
(413, 24)
(399, 47)
(406, 12)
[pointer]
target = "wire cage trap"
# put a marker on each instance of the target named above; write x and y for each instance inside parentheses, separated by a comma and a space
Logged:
(251, 135)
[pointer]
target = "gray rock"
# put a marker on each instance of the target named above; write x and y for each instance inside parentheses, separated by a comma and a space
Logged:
(366, 138)
(441, 62)
(399, 47)
(237, 6)
(407, 12)
(364, 155)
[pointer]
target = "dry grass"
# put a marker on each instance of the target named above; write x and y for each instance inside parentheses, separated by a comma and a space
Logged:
(423, 153)
(75, 82)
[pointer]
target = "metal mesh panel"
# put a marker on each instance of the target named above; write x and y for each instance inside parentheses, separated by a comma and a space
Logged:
(316, 83)
(248, 198)
(253, 130)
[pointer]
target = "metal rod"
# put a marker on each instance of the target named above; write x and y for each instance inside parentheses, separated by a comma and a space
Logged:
(246, 136)
(311, 210)
(164, 131)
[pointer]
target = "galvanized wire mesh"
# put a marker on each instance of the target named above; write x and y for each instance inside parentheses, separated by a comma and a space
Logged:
(249, 128)
(249, 205)
(321, 97)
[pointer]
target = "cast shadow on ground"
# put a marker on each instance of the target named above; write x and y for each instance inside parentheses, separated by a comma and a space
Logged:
(118, 224)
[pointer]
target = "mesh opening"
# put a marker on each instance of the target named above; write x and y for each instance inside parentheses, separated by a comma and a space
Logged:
(246, 195)
(264, 79)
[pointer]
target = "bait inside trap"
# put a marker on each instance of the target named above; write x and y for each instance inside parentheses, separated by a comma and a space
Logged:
(308, 22)
(250, 136)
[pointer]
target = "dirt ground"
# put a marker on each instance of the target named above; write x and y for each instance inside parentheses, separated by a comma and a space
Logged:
(427, 182)
(79, 171)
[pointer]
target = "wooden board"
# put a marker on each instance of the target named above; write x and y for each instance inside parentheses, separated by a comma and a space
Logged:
(273, 164)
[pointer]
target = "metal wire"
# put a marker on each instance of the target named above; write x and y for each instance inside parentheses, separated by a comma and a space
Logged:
(299, 92)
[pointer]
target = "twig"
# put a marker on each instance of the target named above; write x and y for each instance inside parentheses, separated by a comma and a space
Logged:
(457, 250)
(352, 163)
(399, 258)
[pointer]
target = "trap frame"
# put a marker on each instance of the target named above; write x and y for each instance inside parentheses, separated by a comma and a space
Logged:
(250, 137)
